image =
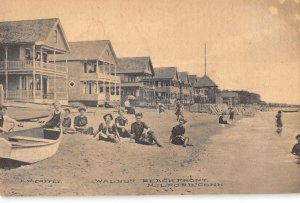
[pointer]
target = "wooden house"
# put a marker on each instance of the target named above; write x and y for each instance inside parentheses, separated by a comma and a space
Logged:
(231, 98)
(205, 90)
(167, 84)
(185, 87)
(25, 70)
(92, 73)
(136, 75)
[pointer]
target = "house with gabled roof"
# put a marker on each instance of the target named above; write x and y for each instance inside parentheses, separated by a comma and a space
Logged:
(205, 90)
(25, 70)
(185, 87)
(136, 75)
(167, 84)
(93, 76)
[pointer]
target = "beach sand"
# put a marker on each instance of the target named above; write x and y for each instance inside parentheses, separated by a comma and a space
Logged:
(231, 159)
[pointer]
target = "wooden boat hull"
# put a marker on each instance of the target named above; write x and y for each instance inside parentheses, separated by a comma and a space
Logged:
(31, 147)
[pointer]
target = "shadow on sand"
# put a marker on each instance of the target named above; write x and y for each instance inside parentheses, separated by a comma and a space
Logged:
(8, 164)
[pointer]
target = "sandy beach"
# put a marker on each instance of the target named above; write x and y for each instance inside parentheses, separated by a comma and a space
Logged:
(231, 159)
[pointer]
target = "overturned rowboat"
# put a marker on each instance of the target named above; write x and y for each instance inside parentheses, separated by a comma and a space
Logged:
(30, 145)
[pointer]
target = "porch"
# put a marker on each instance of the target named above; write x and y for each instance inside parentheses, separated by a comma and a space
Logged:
(37, 88)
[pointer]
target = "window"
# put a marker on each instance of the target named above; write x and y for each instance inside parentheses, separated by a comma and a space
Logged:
(107, 52)
(55, 36)
(27, 54)
(90, 67)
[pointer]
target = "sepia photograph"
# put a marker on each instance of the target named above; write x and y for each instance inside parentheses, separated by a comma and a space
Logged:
(149, 97)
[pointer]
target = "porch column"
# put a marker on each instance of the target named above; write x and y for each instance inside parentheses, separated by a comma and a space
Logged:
(41, 79)
(115, 88)
(54, 61)
(97, 81)
(6, 74)
(67, 77)
(33, 76)
(109, 69)
(115, 69)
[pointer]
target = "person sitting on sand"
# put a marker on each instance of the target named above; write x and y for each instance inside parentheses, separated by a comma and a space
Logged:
(55, 118)
(67, 122)
(177, 137)
(121, 122)
(107, 131)
(6, 120)
(296, 148)
(221, 119)
(81, 122)
(141, 132)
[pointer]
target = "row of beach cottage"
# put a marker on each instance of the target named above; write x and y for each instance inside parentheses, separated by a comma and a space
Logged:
(38, 64)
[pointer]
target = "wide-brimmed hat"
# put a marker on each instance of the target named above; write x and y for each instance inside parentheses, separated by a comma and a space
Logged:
(182, 120)
(139, 114)
(108, 114)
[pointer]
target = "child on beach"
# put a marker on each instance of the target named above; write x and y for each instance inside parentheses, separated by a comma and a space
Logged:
(296, 148)
(141, 132)
(177, 137)
(67, 122)
(81, 122)
(121, 122)
(55, 118)
(6, 120)
(107, 131)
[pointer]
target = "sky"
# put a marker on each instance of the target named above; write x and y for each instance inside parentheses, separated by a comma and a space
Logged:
(251, 45)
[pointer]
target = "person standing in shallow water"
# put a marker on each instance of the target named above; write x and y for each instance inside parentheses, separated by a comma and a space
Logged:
(279, 122)
(141, 132)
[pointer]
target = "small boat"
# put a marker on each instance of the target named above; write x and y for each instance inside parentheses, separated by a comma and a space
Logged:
(30, 145)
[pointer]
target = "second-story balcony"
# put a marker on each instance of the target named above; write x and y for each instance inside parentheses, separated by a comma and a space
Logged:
(167, 89)
(100, 76)
(29, 65)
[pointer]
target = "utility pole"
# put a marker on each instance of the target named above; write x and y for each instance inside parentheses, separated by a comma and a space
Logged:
(205, 59)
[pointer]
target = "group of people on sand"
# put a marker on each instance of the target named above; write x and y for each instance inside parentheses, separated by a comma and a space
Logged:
(231, 117)
(111, 130)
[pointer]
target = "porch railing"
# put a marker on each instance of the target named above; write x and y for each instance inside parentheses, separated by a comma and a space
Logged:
(28, 64)
(28, 94)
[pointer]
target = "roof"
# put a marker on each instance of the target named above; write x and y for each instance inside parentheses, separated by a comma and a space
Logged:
(205, 81)
(134, 64)
(165, 73)
(183, 76)
(27, 31)
(86, 50)
(193, 79)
